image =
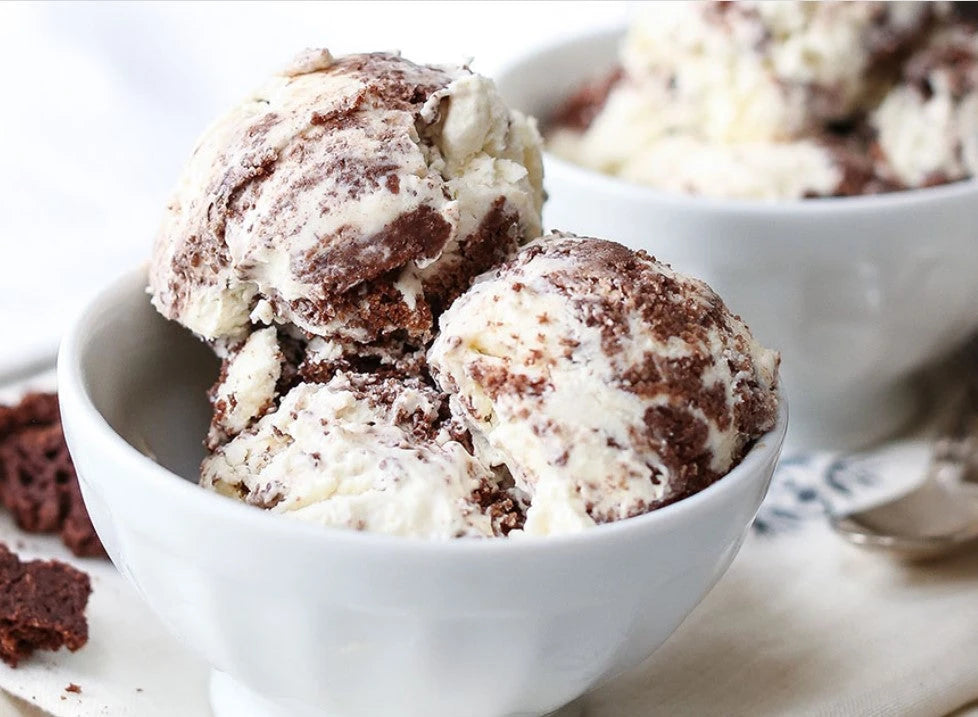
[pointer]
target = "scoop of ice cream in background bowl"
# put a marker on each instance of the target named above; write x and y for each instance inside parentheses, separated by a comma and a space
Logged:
(703, 137)
(444, 466)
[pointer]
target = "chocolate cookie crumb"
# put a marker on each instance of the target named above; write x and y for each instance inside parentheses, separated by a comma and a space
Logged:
(500, 503)
(42, 607)
(72, 687)
(77, 532)
(38, 483)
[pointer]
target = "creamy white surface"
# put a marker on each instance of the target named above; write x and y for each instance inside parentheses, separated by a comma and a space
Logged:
(327, 455)
(684, 164)
(922, 137)
(749, 73)
(474, 150)
(248, 388)
(729, 102)
(572, 443)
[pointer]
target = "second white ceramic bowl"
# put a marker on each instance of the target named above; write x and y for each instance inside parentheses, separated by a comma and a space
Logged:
(857, 293)
(299, 620)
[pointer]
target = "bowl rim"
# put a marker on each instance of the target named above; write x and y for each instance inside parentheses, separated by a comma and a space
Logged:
(904, 199)
(86, 423)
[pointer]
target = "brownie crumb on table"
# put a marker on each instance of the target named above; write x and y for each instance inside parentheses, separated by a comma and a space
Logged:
(42, 607)
(38, 483)
(77, 531)
(72, 687)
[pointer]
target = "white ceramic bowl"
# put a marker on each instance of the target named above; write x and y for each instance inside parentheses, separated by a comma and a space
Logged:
(301, 620)
(856, 292)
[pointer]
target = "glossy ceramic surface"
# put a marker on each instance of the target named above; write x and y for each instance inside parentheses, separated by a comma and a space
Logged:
(302, 620)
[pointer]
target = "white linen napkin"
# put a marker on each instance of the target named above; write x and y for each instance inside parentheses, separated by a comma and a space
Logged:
(806, 625)
(130, 666)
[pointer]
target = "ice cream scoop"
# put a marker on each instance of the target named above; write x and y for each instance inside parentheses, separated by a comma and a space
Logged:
(762, 100)
(606, 383)
(769, 71)
(363, 451)
(351, 197)
(928, 123)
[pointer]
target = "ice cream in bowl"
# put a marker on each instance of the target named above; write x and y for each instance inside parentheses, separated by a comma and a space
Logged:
(813, 162)
(372, 443)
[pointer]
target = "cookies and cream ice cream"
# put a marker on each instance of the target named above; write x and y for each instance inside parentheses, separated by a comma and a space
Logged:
(362, 451)
(604, 382)
(247, 386)
(769, 100)
(928, 124)
(349, 197)
(577, 383)
(766, 71)
(348, 241)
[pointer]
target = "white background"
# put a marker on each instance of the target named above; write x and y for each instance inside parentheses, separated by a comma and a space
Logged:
(100, 104)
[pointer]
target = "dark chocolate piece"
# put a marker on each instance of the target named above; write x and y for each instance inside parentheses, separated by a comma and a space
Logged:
(42, 606)
(38, 483)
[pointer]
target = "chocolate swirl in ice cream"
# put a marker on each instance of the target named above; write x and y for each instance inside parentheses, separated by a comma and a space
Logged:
(365, 451)
(606, 383)
(351, 197)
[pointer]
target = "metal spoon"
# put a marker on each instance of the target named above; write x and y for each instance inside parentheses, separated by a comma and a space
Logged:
(938, 517)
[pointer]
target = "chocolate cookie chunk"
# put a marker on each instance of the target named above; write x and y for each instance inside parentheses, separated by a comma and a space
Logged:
(36, 471)
(34, 409)
(42, 606)
(77, 532)
(38, 483)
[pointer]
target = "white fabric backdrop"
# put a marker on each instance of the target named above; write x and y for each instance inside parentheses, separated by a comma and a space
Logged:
(101, 103)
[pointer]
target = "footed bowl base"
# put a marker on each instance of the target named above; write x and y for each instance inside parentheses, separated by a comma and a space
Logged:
(230, 698)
